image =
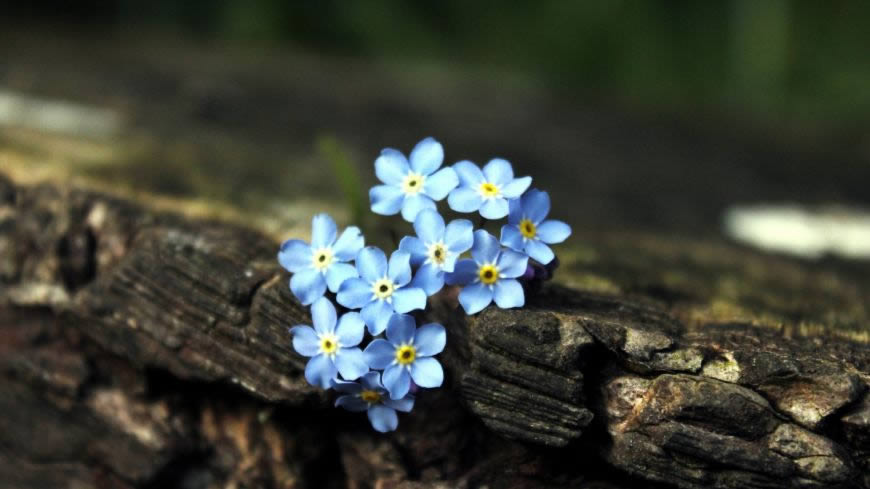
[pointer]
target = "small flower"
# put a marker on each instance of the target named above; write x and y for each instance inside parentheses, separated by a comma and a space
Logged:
(321, 264)
(369, 395)
(333, 349)
(491, 273)
(528, 232)
(436, 248)
(407, 354)
(487, 190)
(411, 188)
(381, 288)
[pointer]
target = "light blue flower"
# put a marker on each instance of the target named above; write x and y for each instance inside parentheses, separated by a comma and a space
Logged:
(436, 248)
(487, 191)
(369, 395)
(407, 354)
(490, 274)
(411, 187)
(528, 232)
(381, 288)
(331, 344)
(320, 264)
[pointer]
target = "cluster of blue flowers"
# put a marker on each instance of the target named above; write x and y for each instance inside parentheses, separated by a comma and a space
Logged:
(378, 292)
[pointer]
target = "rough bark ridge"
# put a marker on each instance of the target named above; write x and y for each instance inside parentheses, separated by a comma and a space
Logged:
(143, 350)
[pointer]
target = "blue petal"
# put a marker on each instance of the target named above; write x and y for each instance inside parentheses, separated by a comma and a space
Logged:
(515, 211)
(399, 268)
(397, 381)
(295, 255)
(405, 404)
(305, 340)
(430, 339)
(536, 205)
(350, 329)
(486, 247)
(391, 166)
(449, 262)
(379, 354)
(512, 237)
(495, 208)
(354, 293)
(351, 363)
(376, 314)
(539, 252)
(464, 199)
(552, 232)
(509, 293)
(427, 372)
(323, 231)
(427, 156)
(469, 174)
(459, 235)
(401, 329)
(498, 171)
(415, 247)
(464, 273)
(372, 380)
(308, 285)
(320, 371)
(409, 299)
(414, 204)
(475, 297)
(429, 226)
(516, 187)
(512, 264)
(386, 200)
(348, 387)
(439, 184)
(338, 273)
(352, 403)
(371, 263)
(383, 418)
(323, 315)
(349, 244)
(430, 278)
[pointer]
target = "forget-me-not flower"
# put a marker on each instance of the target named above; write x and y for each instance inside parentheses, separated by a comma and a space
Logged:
(370, 395)
(490, 274)
(436, 248)
(528, 232)
(331, 344)
(487, 191)
(320, 264)
(381, 288)
(411, 187)
(406, 354)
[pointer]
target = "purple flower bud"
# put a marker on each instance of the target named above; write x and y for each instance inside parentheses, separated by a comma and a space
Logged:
(529, 273)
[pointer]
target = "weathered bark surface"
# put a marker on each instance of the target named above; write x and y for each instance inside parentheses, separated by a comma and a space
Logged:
(141, 349)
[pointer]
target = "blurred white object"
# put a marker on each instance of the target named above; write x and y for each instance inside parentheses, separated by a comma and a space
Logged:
(57, 116)
(799, 230)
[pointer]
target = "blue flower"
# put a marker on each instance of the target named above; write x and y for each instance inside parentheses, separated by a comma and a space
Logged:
(381, 288)
(487, 190)
(321, 264)
(331, 344)
(407, 354)
(369, 395)
(411, 187)
(528, 232)
(490, 274)
(436, 248)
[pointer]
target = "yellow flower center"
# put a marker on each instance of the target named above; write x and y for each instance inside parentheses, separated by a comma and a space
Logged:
(437, 253)
(405, 354)
(528, 229)
(370, 397)
(322, 258)
(413, 183)
(383, 288)
(329, 344)
(488, 274)
(488, 189)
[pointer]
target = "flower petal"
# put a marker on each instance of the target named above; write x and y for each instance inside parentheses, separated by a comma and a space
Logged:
(475, 297)
(414, 204)
(354, 293)
(464, 199)
(512, 237)
(405, 404)
(427, 156)
(539, 252)
(515, 211)
(463, 273)
(338, 273)
(399, 268)
(320, 371)
(512, 264)
(495, 208)
(536, 205)
(348, 244)
(401, 329)
(427, 372)
(386, 200)
(397, 381)
(371, 262)
(295, 255)
(430, 278)
(509, 293)
(323, 231)
(486, 247)
(409, 299)
(347, 387)
(351, 363)
(516, 187)
(440, 183)
(415, 247)
(308, 285)
(459, 235)
(498, 171)
(323, 315)
(352, 403)
(350, 329)
(429, 226)
(430, 339)
(391, 166)
(469, 174)
(305, 340)
(376, 314)
(379, 354)
(552, 232)
(372, 380)
(383, 419)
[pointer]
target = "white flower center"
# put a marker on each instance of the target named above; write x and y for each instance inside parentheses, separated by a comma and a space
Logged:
(437, 253)
(329, 344)
(413, 183)
(321, 259)
(383, 289)
(489, 190)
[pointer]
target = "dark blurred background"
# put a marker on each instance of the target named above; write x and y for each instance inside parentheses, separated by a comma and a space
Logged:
(654, 115)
